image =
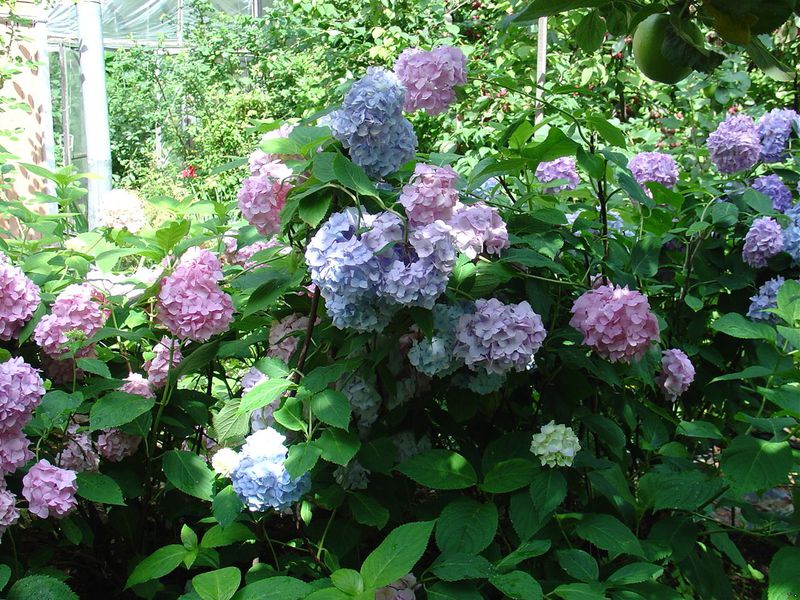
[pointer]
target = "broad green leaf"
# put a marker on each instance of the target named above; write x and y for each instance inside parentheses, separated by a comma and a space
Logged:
(396, 555)
(752, 464)
(460, 566)
(590, 32)
(608, 533)
(332, 407)
(117, 408)
(5, 576)
(348, 581)
(229, 423)
(275, 588)
(338, 446)
(313, 208)
(548, 489)
(517, 585)
(217, 585)
(302, 458)
(783, 580)
(93, 365)
(446, 590)
(736, 325)
(100, 488)
(189, 473)
(683, 490)
(466, 526)
(524, 517)
(526, 550)
(509, 475)
(219, 536)
(581, 591)
(579, 564)
(547, 8)
(638, 572)
(319, 378)
(263, 394)
(40, 587)
(610, 133)
(440, 470)
(161, 562)
(226, 506)
(329, 594)
(700, 429)
(367, 510)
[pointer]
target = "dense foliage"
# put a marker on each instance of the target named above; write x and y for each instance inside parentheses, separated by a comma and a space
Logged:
(429, 346)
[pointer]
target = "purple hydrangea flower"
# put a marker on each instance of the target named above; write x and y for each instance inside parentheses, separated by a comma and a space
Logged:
(371, 125)
(434, 356)
(677, 373)
(430, 195)
(478, 228)
(499, 337)
(14, 451)
(791, 235)
(763, 241)
(158, 367)
(561, 169)
(19, 299)
(735, 145)
(774, 129)
(21, 390)
(78, 454)
(654, 167)
(773, 187)
(138, 386)
(402, 589)
(282, 342)
(244, 256)
(50, 491)
(430, 77)
(115, 445)
(766, 298)
(272, 165)
(8, 510)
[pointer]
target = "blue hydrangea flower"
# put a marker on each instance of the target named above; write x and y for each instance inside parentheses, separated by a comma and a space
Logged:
(364, 400)
(735, 144)
(434, 356)
(791, 235)
(775, 128)
(370, 123)
(773, 187)
(260, 479)
(766, 298)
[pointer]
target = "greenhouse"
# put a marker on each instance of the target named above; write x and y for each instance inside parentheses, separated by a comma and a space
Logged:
(399, 299)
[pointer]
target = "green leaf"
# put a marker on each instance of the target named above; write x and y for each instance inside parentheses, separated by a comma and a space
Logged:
(644, 256)
(93, 365)
(440, 470)
(100, 488)
(226, 506)
(682, 490)
(608, 533)
(517, 585)
(168, 237)
(466, 526)
(460, 566)
(590, 32)
(219, 536)
(700, 429)
(638, 572)
(229, 423)
(608, 432)
(188, 537)
(788, 307)
(338, 446)
(547, 8)
(278, 283)
(767, 62)
(752, 464)
(367, 511)
(275, 588)
(509, 475)
(217, 585)
(5, 576)
(783, 574)
(161, 562)
(313, 209)
(198, 360)
(302, 458)
(445, 590)
(329, 594)
(189, 473)
(579, 564)
(348, 581)
(330, 166)
(396, 555)
(319, 378)
(526, 550)
(725, 214)
(610, 133)
(117, 408)
(40, 587)
(548, 490)
(581, 591)
(735, 325)
(332, 407)
(263, 394)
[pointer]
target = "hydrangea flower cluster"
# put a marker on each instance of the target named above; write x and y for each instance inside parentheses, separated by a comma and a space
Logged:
(127, 286)
(555, 445)
(282, 344)
(677, 373)
(19, 299)
(224, 461)
(371, 125)
(773, 187)
(14, 451)
(244, 256)
(260, 478)
(763, 241)
(121, 209)
(654, 167)
(434, 356)
(137, 385)
(430, 195)
(477, 228)
(481, 382)
(115, 445)
(791, 235)
(766, 298)
(158, 367)
(8, 509)
(616, 322)
(561, 169)
(268, 164)
(78, 454)
(191, 304)
(408, 446)
(430, 77)
(774, 129)
(261, 199)
(50, 491)
(364, 400)
(353, 476)
(402, 589)
(735, 145)
(76, 314)
(499, 337)
(21, 390)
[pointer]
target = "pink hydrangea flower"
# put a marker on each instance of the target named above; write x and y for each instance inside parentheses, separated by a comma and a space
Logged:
(430, 195)
(14, 451)
(677, 373)
(158, 367)
(114, 445)
(21, 390)
(8, 510)
(243, 257)
(261, 199)
(137, 385)
(265, 163)
(76, 313)
(191, 304)
(50, 491)
(19, 299)
(78, 454)
(616, 322)
(478, 228)
(430, 77)
(282, 343)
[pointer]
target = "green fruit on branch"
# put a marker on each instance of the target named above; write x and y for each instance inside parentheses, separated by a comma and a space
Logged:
(648, 49)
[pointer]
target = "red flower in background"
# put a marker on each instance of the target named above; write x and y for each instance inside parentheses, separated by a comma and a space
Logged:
(189, 172)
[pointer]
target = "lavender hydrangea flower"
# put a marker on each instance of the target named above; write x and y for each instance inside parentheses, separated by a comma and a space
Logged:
(434, 356)
(654, 167)
(19, 299)
(499, 337)
(167, 355)
(78, 454)
(138, 386)
(8, 510)
(763, 241)
(115, 445)
(14, 451)
(735, 145)
(429, 77)
(260, 478)
(408, 446)
(371, 125)
(364, 400)
(561, 169)
(677, 373)
(766, 298)
(481, 382)
(430, 195)
(791, 235)
(402, 589)
(76, 310)
(282, 342)
(616, 322)
(774, 130)
(478, 228)
(50, 491)
(773, 187)
(21, 390)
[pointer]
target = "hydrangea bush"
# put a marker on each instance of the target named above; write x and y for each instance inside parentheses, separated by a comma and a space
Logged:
(566, 370)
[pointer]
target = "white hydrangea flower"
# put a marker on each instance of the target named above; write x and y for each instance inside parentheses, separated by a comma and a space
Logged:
(122, 209)
(555, 445)
(224, 461)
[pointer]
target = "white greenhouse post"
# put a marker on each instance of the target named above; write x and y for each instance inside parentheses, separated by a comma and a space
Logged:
(541, 68)
(95, 106)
